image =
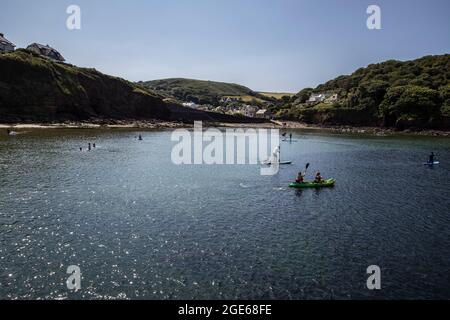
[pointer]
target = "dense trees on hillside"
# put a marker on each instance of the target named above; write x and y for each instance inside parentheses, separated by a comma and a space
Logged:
(411, 106)
(394, 93)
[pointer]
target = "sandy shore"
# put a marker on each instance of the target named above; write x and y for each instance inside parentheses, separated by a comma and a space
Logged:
(86, 125)
(268, 125)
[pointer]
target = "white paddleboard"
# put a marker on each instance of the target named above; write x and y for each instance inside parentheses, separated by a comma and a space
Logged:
(280, 163)
(431, 164)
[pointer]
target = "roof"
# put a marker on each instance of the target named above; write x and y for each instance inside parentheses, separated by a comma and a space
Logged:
(41, 46)
(5, 41)
(46, 49)
(263, 111)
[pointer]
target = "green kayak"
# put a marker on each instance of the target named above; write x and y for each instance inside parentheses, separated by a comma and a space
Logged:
(324, 184)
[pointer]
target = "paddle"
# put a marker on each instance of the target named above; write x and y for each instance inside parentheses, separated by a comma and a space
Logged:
(306, 168)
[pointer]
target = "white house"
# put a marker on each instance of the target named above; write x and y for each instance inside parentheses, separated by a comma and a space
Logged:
(263, 113)
(317, 97)
(46, 51)
(6, 45)
(190, 105)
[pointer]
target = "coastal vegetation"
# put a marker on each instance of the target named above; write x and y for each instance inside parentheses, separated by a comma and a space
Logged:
(204, 92)
(34, 89)
(285, 96)
(410, 94)
(393, 94)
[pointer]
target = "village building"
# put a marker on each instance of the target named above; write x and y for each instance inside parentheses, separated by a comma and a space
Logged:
(250, 111)
(263, 113)
(228, 99)
(46, 51)
(192, 105)
(218, 110)
(317, 97)
(6, 45)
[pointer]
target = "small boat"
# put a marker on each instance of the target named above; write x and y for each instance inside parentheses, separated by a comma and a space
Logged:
(431, 163)
(325, 184)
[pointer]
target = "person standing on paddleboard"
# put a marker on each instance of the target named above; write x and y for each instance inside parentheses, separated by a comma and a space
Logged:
(431, 158)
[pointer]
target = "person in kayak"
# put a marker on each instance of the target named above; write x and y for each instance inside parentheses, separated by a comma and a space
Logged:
(318, 178)
(300, 177)
(431, 158)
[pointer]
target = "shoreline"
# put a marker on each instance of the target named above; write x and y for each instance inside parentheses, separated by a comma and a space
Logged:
(274, 124)
(377, 131)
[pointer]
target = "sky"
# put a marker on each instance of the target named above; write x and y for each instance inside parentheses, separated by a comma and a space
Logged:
(267, 45)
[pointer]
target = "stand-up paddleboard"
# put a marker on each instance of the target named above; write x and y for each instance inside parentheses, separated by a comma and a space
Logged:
(277, 152)
(269, 163)
(431, 164)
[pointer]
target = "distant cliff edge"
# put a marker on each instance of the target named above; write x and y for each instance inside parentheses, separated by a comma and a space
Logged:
(36, 89)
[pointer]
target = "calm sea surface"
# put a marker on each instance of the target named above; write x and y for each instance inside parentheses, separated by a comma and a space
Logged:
(140, 227)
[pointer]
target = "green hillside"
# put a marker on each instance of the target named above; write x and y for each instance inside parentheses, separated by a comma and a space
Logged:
(36, 89)
(33, 88)
(199, 91)
(393, 93)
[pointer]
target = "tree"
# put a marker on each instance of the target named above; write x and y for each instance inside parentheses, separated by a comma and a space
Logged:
(445, 97)
(304, 95)
(286, 99)
(414, 103)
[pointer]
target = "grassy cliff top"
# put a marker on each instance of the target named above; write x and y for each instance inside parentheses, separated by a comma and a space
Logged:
(199, 91)
(34, 88)
(199, 86)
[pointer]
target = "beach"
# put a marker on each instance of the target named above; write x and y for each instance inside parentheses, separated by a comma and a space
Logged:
(273, 124)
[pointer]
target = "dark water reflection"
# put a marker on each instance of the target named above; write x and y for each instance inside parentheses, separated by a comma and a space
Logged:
(140, 227)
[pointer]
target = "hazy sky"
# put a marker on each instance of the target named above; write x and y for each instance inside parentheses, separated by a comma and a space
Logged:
(268, 45)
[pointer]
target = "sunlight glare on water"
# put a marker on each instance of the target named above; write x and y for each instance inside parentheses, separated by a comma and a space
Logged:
(141, 227)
